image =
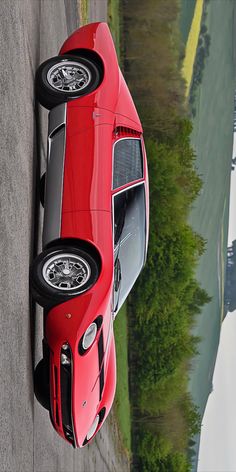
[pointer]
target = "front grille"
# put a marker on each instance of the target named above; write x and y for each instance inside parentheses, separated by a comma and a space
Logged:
(66, 394)
(101, 364)
(66, 402)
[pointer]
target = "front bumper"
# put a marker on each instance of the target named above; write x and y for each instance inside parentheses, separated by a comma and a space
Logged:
(75, 399)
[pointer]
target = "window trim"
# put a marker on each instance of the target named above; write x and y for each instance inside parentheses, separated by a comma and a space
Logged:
(113, 159)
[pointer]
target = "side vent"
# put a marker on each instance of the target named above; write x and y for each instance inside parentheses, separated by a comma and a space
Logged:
(122, 131)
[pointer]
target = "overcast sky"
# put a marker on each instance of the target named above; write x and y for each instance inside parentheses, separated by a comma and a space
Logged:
(218, 437)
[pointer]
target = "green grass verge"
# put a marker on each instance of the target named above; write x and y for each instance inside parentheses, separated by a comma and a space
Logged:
(83, 12)
(113, 18)
(122, 404)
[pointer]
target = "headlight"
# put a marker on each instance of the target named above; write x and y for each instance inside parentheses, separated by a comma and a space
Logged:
(65, 354)
(65, 347)
(64, 359)
(89, 336)
(93, 428)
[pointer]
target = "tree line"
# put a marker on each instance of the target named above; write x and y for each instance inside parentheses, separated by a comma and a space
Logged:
(167, 297)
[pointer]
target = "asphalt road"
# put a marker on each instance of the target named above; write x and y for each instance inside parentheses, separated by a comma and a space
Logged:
(30, 32)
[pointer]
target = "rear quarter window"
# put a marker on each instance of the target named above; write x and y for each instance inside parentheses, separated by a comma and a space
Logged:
(128, 162)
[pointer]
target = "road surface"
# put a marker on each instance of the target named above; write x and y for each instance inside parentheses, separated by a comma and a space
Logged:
(30, 32)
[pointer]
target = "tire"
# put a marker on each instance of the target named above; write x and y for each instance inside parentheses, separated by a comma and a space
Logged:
(50, 284)
(41, 384)
(47, 92)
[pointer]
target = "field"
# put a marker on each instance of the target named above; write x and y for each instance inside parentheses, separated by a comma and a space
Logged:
(191, 46)
(187, 8)
(212, 139)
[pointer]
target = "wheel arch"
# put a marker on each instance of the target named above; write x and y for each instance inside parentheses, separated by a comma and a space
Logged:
(88, 54)
(79, 244)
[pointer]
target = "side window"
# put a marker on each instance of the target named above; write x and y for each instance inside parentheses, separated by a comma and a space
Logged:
(119, 215)
(129, 240)
(128, 161)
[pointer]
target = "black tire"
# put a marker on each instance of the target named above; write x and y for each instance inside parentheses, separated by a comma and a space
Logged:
(41, 384)
(50, 97)
(47, 295)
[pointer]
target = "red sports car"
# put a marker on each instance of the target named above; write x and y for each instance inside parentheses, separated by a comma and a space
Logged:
(95, 231)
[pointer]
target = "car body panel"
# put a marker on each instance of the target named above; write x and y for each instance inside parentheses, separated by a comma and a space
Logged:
(125, 109)
(114, 93)
(97, 37)
(61, 328)
(86, 164)
(95, 227)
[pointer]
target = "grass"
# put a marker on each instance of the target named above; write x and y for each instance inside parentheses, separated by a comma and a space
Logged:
(191, 46)
(83, 12)
(122, 404)
(113, 14)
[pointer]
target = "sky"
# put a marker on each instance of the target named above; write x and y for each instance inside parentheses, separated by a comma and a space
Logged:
(218, 434)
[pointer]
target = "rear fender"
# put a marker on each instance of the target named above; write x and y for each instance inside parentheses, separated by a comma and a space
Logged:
(96, 37)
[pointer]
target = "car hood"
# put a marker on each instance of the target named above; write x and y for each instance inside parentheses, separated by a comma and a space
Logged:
(91, 382)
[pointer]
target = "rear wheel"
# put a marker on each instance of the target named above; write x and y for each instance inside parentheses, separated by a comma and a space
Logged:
(60, 273)
(64, 78)
(41, 384)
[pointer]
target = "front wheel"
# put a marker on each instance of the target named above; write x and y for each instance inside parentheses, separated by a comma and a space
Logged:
(63, 78)
(60, 273)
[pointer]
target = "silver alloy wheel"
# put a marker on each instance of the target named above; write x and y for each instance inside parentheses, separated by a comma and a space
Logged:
(69, 76)
(66, 271)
